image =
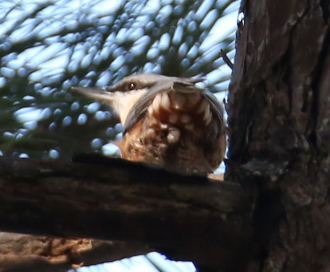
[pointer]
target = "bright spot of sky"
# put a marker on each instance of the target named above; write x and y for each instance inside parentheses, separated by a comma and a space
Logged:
(118, 127)
(110, 149)
(53, 154)
(96, 143)
(102, 9)
(82, 119)
(30, 125)
(67, 120)
(118, 137)
(93, 107)
(110, 131)
(142, 263)
(52, 126)
(31, 114)
(3, 81)
(75, 106)
(8, 135)
(29, 97)
(100, 115)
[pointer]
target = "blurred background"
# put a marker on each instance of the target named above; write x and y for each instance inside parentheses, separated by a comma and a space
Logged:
(48, 46)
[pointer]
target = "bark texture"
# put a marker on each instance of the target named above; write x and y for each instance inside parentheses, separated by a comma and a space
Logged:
(186, 217)
(19, 252)
(279, 120)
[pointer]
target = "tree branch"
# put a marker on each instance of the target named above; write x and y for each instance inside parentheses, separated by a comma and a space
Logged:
(180, 215)
(19, 252)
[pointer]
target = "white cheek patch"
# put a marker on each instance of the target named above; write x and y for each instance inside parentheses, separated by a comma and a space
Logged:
(123, 102)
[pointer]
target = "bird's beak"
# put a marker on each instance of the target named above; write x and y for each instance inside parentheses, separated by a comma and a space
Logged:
(95, 93)
(119, 101)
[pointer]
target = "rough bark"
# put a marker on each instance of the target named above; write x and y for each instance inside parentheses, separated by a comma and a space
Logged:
(279, 121)
(19, 252)
(186, 217)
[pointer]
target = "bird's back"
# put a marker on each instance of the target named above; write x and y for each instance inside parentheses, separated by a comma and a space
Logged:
(179, 126)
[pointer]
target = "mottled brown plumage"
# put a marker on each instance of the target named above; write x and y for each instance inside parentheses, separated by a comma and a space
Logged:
(167, 121)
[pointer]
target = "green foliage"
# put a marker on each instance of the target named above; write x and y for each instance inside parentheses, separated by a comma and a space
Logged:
(48, 46)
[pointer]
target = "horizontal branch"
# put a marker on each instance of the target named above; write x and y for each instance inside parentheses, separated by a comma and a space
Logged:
(181, 215)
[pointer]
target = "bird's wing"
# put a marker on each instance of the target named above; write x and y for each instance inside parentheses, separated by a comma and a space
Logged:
(141, 106)
(184, 85)
(216, 107)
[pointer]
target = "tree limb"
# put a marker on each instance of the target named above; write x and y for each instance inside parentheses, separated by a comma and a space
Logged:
(129, 202)
(19, 252)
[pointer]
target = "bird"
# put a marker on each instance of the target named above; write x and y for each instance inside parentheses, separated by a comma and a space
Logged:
(167, 121)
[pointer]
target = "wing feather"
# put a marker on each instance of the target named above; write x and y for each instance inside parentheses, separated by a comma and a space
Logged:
(184, 85)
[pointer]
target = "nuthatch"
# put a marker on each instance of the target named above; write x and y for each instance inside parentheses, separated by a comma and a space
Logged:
(167, 121)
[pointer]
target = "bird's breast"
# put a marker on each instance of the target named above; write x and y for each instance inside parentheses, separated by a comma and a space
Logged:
(179, 130)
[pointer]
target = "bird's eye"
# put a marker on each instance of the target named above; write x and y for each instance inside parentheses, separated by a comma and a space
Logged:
(131, 86)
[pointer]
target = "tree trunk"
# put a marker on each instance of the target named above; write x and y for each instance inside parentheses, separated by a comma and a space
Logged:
(279, 122)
